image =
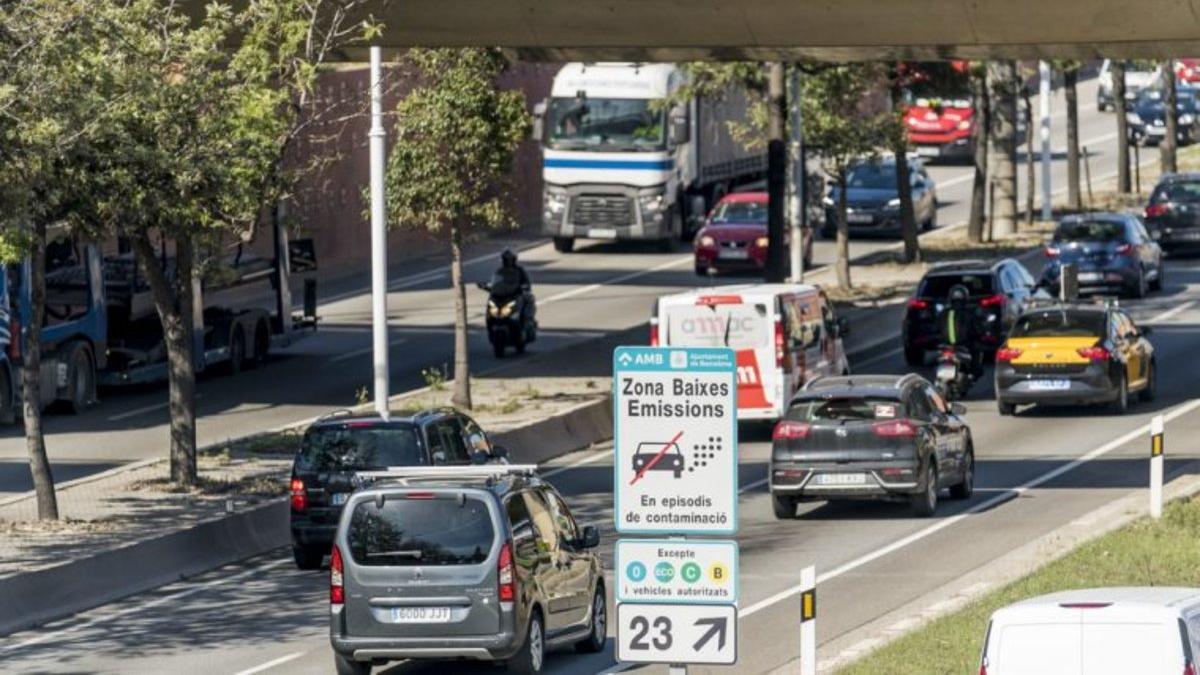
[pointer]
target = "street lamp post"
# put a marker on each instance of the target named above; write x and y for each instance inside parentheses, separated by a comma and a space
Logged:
(379, 317)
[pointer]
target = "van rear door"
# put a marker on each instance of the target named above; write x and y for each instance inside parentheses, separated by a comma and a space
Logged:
(1119, 642)
(1035, 646)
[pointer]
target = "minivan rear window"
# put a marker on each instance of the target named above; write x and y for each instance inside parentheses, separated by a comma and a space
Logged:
(1057, 323)
(354, 448)
(939, 285)
(407, 532)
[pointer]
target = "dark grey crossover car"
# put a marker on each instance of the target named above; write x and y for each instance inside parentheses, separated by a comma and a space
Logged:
(471, 562)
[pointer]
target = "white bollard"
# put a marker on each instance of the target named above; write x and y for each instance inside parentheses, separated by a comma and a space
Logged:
(1156, 467)
(808, 621)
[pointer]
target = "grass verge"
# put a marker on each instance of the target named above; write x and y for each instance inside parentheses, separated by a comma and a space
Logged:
(1144, 553)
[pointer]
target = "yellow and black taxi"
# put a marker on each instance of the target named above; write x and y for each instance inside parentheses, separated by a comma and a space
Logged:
(1074, 354)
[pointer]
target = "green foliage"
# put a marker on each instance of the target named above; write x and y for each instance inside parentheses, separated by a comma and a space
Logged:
(434, 377)
(840, 121)
(716, 81)
(456, 136)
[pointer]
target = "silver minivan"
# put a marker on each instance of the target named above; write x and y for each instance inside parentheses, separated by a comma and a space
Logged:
(483, 563)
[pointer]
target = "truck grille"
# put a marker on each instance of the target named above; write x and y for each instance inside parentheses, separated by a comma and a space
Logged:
(602, 210)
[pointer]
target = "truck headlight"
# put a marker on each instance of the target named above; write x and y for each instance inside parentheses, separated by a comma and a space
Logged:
(554, 203)
(651, 205)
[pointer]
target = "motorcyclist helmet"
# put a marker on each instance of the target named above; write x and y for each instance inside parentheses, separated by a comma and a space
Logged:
(508, 258)
(958, 296)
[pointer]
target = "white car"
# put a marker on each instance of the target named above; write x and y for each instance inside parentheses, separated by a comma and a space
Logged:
(1137, 78)
(1098, 631)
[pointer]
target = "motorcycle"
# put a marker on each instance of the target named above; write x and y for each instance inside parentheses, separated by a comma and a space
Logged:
(955, 372)
(511, 314)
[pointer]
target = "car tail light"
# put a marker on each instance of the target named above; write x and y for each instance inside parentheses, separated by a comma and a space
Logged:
(299, 496)
(14, 338)
(1156, 210)
(1084, 605)
(948, 352)
(653, 335)
(419, 495)
(779, 342)
(1051, 252)
(895, 429)
(337, 591)
(1007, 354)
(1093, 353)
(790, 431)
(996, 300)
(1125, 249)
(506, 574)
(918, 303)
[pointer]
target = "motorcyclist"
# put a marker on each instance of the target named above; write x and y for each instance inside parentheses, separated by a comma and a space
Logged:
(508, 261)
(511, 280)
(958, 330)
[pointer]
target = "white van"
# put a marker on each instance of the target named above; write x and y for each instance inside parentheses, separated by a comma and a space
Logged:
(1098, 631)
(784, 336)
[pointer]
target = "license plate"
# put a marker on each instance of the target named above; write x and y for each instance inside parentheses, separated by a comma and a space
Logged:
(928, 150)
(733, 254)
(1049, 385)
(1186, 234)
(602, 233)
(339, 498)
(841, 479)
(420, 615)
(1090, 276)
(860, 218)
(946, 371)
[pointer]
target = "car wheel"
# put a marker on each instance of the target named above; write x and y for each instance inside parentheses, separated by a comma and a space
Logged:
(914, 356)
(599, 635)
(966, 488)
(308, 558)
(784, 507)
(1138, 290)
(1157, 284)
(564, 244)
(1151, 389)
(1006, 408)
(533, 651)
(348, 666)
(1120, 404)
(83, 379)
(924, 504)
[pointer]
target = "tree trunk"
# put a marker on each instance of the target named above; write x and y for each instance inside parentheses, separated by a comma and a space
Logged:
(983, 122)
(35, 441)
(908, 218)
(776, 173)
(462, 366)
(1004, 146)
(843, 235)
(174, 299)
(1030, 159)
(1074, 197)
(1124, 184)
(1171, 116)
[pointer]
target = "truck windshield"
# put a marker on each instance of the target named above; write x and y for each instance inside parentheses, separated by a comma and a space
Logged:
(612, 124)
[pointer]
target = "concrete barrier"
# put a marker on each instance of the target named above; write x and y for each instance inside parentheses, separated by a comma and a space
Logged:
(572, 429)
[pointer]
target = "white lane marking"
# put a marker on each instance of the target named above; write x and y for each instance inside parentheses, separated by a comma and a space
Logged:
(615, 280)
(978, 508)
(272, 663)
(578, 463)
(360, 352)
(1172, 313)
(142, 411)
(166, 599)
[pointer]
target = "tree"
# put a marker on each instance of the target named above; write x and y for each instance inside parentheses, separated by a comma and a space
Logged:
(899, 77)
(1070, 72)
(983, 112)
(1030, 159)
(1171, 115)
(456, 136)
(776, 172)
(1124, 184)
(1002, 77)
(840, 122)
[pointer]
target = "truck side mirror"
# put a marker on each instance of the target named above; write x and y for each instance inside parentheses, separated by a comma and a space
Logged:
(539, 121)
(680, 133)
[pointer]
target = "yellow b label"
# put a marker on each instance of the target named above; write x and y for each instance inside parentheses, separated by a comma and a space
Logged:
(718, 573)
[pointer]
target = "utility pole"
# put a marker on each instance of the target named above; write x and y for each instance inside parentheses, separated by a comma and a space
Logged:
(379, 327)
(1044, 75)
(798, 177)
(776, 171)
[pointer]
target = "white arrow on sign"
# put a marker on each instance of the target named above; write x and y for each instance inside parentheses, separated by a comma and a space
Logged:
(662, 633)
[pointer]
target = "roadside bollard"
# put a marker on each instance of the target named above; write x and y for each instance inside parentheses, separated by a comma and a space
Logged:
(808, 621)
(1156, 467)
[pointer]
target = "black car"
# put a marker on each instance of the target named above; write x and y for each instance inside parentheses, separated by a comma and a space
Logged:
(338, 445)
(873, 202)
(1147, 123)
(889, 437)
(999, 291)
(1112, 252)
(1173, 214)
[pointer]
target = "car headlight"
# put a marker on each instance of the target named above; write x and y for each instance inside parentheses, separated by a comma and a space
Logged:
(707, 242)
(893, 203)
(554, 202)
(1133, 118)
(964, 125)
(1186, 118)
(762, 242)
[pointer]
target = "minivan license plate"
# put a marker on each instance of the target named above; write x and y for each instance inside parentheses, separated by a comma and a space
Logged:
(420, 614)
(841, 479)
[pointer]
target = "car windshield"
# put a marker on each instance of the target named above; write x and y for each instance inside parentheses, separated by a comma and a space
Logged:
(357, 448)
(1181, 192)
(405, 532)
(939, 285)
(740, 212)
(615, 124)
(1185, 98)
(873, 176)
(1059, 323)
(1090, 230)
(849, 408)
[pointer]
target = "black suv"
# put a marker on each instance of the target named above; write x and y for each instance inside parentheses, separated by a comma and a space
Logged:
(1173, 214)
(999, 292)
(340, 444)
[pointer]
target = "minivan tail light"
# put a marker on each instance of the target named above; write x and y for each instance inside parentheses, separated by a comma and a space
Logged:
(1008, 354)
(1093, 353)
(895, 429)
(506, 575)
(790, 431)
(337, 591)
(996, 300)
(779, 343)
(299, 496)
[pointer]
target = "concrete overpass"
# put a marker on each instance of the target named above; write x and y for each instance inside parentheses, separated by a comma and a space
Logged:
(673, 30)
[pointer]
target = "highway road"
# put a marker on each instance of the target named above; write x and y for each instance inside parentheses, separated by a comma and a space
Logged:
(602, 288)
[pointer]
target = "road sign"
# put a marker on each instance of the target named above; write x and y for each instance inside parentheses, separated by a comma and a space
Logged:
(675, 434)
(662, 633)
(685, 572)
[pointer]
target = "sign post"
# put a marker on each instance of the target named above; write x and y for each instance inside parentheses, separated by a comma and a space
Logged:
(1156, 467)
(808, 621)
(675, 473)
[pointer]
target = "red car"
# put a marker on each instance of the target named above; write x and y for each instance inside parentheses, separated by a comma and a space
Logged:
(735, 236)
(942, 128)
(1188, 70)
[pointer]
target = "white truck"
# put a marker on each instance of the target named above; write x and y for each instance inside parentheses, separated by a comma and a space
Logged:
(616, 164)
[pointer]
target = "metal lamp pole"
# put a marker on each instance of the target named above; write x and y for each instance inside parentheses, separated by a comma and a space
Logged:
(379, 328)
